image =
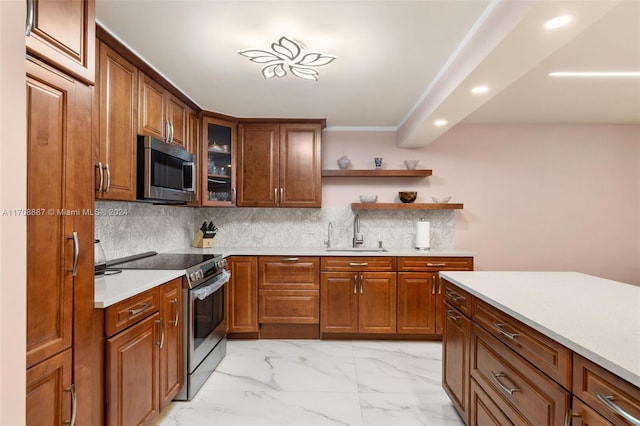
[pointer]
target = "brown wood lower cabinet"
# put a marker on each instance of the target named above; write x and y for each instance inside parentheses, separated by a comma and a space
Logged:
(143, 360)
(49, 391)
(514, 374)
(242, 295)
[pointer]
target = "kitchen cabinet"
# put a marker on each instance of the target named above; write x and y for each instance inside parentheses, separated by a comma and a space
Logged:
(358, 295)
(514, 374)
(60, 271)
(218, 162)
(171, 379)
(242, 296)
(143, 354)
(193, 146)
(116, 121)
(279, 165)
(62, 33)
(601, 397)
(456, 342)
(288, 296)
(420, 292)
(50, 392)
(160, 114)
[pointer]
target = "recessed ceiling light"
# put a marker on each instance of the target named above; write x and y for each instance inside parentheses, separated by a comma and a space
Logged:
(478, 90)
(439, 123)
(288, 54)
(558, 21)
(595, 74)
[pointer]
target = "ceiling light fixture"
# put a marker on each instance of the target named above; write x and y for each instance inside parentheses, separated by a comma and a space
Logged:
(440, 123)
(478, 90)
(558, 21)
(288, 54)
(595, 74)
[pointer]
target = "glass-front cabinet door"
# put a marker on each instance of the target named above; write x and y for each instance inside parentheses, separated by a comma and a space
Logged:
(219, 174)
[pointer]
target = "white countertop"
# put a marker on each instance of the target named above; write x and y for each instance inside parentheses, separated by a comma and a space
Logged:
(111, 289)
(596, 318)
(321, 251)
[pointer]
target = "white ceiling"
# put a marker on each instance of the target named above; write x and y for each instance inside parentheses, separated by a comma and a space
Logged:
(400, 64)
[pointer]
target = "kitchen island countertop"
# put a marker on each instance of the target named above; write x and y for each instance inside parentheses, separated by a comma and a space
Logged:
(594, 317)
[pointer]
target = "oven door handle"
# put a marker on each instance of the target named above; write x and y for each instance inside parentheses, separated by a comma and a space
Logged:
(203, 291)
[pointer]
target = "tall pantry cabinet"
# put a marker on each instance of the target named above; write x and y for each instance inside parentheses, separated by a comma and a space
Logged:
(60, 40)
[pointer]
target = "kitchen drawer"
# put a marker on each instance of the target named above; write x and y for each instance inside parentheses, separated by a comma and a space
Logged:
(590, 380)
(434, 264)
(288, 273)
(583, 415)
(483, 410)
(289, 307)
(123, 314)
(523, 393)
(546, 354)
(360, 263)
(457, 297)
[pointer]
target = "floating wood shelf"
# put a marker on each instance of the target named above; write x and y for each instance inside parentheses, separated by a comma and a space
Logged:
(407, 206)
(376, 173)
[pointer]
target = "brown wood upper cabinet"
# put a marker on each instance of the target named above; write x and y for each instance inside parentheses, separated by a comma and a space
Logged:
(62, 33)
(279, 165)
(218, 162)
(160, 114)
(116, 121)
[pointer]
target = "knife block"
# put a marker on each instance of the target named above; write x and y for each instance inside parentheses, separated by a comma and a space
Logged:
(200, 241)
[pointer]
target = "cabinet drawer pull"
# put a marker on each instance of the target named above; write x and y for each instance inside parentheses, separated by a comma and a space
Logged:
(570, 414)
(608, 401)
(498, 326)
(175, 320)
(30, 17)
(290, 259)
(160, 323)
(361, 284)
(496, 377)
(99, 166)
(451, 314)
(74, 405)
(108, 186)
(141, 309)
(275, 196)
(436, 264)
(358, 264)
(76, 253)
(355, 283)
(433, 284)
(454, 296)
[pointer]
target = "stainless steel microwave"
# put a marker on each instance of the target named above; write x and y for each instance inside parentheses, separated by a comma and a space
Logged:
(165, 173)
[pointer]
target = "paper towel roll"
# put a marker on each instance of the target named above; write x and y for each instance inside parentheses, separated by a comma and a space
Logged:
(423, 231)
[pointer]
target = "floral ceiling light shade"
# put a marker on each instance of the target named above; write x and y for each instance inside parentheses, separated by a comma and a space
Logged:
(288, 54)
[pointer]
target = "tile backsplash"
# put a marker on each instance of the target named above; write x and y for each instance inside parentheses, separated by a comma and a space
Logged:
(127, 228)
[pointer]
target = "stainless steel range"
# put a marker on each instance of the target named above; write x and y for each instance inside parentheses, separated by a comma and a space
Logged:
(204, 327)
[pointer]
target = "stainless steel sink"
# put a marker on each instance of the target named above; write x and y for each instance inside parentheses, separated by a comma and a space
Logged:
(359, 249)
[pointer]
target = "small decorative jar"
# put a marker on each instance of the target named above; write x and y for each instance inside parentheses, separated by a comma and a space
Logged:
(344, 162)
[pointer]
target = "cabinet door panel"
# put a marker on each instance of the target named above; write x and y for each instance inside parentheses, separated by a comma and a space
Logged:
(63, 33)
(132, 374)
(455, 356)
(51, 100)
(48, 398)
(177, 115)
(258, 165)
(151, 108)
(300, 165)
(338, 302)
(171, 353)
(377, 302)
(242, 291)
(117, 103)
(417, 302)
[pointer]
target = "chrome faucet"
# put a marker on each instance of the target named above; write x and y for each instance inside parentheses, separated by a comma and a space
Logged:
(358, 239)
(328, 242)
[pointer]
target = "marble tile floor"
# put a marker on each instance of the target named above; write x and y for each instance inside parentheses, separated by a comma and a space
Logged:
(312, 382)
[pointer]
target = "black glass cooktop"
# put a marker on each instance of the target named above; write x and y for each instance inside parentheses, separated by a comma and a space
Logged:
(163, 261)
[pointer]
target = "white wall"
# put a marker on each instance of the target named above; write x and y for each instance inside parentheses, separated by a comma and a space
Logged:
(535, 197)
(13, 160)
